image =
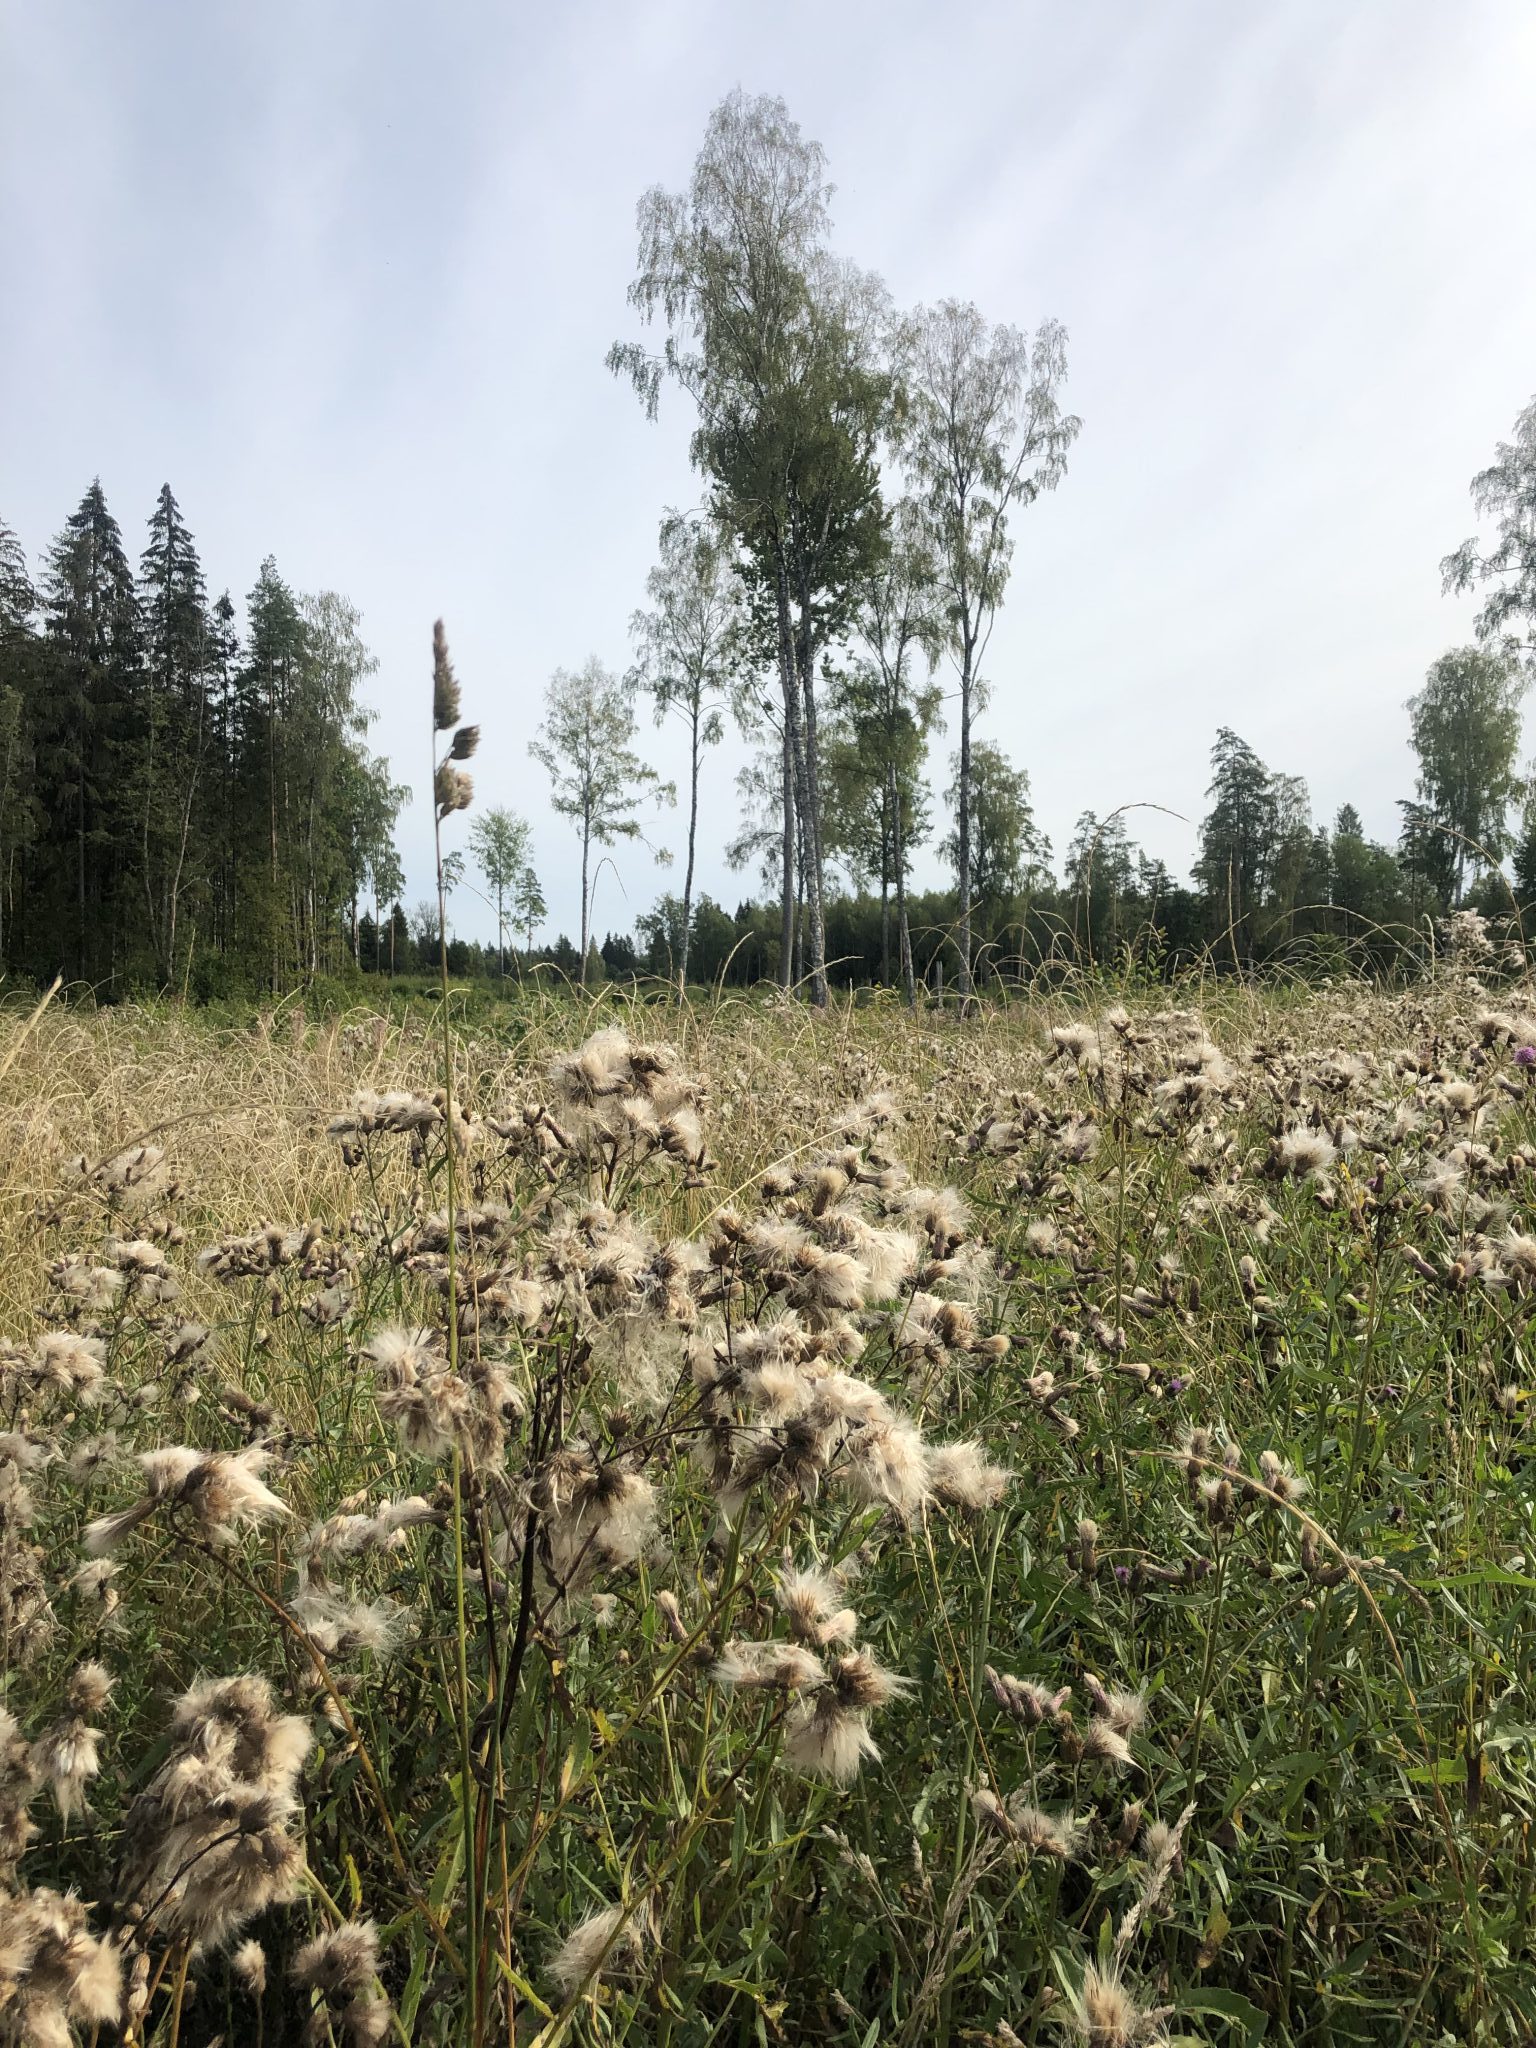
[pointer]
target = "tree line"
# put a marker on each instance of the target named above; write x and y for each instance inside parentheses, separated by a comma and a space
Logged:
(863, 471)
(187, 799)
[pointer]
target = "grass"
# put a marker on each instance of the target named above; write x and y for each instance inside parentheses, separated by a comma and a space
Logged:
(1260, 1259)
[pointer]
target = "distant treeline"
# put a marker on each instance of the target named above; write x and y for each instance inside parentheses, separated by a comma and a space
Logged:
(186, 799)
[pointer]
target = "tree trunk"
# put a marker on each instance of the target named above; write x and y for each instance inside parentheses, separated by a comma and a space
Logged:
(794, 787)
(805, 662)
(787, 892)
(963, 933)
(586, 842)
(693, 827)
(904, 932)
(885, 877)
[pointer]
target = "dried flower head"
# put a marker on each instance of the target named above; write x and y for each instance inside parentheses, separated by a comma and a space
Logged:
(445, 688)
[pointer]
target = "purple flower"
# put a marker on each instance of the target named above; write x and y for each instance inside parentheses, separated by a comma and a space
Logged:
(1123, 1574)
(1177, 1384)
(1525, 1055)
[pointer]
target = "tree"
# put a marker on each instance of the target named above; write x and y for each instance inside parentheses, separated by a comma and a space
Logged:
(774, 341)
(1008, 854)
(171, 735)
(687, 658)
(499, 840)
(265, 690)
(597, 779)
(19, 659)
(1365, 881)
(426, 929)
(1466, 730)
(1101, 873)
(1293, 874)
(387, 876)
(328, 720)
(528, 906)
(1237, 837)
(893, 710)
(985, 434)
(94, 638)
(1507, 490)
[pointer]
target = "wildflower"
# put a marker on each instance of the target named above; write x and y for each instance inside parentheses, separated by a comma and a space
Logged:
(249, 1963)
(1103, 1743)
(812, 1604)
(1125, 1711)
(1045, 1834)
(1028, 1703)
(94, 1456)
(210, 1843)
(339, 1627)
(68, 1754)
(1281, 1482)
(93, 1581)
(783, 1667)
(341, 1969)
(223, 1490)
(672, 1615)
(829, 1736)
(94, 1288)
(19, 1783)
(962, 1476)
(54, 1973)
(605, 1943)
(73, 1364)
(593, 1514)
(1302, 1153)
(888, 1462)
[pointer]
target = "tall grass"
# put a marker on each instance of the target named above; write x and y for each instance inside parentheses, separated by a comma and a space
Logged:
(686, 1618)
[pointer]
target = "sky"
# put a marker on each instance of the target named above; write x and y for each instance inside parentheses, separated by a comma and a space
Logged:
(344, 273)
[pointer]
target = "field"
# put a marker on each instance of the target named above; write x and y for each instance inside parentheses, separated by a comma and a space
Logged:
(732, 1526)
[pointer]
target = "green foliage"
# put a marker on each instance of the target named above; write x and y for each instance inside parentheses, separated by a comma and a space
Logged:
(1466, 732)
(164, 802)
(597, 780)
(1507, 573)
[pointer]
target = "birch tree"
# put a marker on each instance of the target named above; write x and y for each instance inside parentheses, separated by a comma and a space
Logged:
(597, 780)
(499, 840)
(768, 336)
(900, 625)
(986, 435)
(686, 661)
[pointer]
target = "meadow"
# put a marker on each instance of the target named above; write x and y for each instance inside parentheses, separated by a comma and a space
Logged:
(608, 1522)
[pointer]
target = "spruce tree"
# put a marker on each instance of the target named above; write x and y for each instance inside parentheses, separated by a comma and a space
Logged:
(171, 732)
(82, 710)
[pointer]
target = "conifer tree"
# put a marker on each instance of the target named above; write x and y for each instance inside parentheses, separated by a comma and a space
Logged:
(170, 728)
(94, 643)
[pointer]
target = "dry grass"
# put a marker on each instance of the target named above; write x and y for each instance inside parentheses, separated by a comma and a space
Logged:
(1262, 1270)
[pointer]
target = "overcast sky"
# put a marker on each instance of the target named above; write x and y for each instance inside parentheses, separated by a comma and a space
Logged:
(345, 276)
